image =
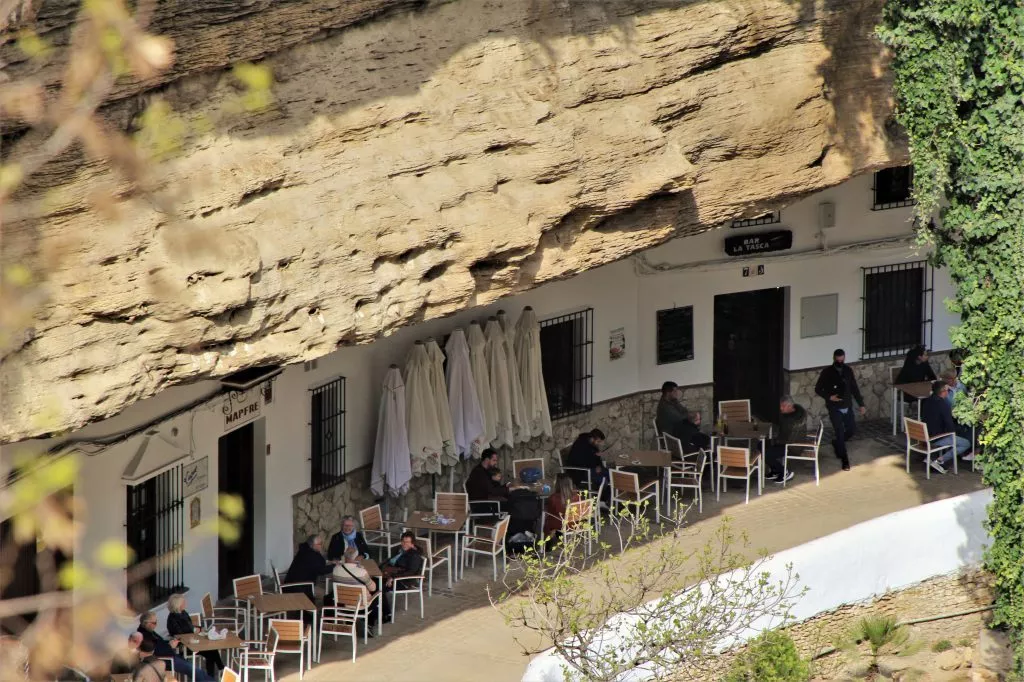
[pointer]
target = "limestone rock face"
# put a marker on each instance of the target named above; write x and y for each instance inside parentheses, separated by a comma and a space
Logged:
(422, 157)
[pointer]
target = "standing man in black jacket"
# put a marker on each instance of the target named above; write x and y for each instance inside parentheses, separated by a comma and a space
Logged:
(838, 388)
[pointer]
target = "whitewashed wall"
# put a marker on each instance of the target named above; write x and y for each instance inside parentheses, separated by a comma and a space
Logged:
(859, 563)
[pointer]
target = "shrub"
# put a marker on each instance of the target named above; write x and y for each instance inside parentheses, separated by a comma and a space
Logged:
(942, 645)
(772, 657)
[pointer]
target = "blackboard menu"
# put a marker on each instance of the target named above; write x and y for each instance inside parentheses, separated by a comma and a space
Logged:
(675, 335)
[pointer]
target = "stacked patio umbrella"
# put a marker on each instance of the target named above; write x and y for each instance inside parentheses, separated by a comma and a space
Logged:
(481, 377)
(425, 442)
(467, 413)
(520, 425)
(497, 369)
(440, 394)
(531, 373)
(392, 468)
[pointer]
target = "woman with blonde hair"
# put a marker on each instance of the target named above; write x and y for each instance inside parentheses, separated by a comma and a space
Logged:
(180, 623)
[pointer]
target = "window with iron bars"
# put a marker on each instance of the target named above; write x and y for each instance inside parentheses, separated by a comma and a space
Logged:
(327, 435)
(893, 188)
(155, 529)
(771, 218)
(898, 303)
(567, 360)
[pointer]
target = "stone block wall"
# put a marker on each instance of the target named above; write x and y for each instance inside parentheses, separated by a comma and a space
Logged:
(627, 422)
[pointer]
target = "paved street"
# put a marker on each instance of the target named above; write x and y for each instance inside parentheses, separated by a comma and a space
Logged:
(463, 639)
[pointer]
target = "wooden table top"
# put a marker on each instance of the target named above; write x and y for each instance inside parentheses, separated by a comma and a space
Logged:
(537, 487)
(418, 520)
(289, 601)
(917, 389)
(746, 430)
(201, 643)
(642, 458)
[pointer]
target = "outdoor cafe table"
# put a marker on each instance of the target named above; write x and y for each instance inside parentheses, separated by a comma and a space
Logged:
(749, 431)
(537, 488)
(197, 644)
(287, 601)
(372, 569)
(642, 458)
(918, 390)
(422, 520)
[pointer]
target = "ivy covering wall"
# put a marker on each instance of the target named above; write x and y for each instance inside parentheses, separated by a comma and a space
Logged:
(959, 81)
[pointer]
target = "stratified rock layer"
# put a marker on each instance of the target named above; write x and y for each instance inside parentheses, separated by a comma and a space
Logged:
(420, 162)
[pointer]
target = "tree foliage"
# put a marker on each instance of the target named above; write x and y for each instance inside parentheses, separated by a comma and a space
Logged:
(959, 83)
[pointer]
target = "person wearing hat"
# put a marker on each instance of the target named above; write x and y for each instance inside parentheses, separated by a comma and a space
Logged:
(674, 419)
(838, 388)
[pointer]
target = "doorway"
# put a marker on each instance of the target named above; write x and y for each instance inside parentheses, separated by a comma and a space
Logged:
(749, 340)
(236, 476)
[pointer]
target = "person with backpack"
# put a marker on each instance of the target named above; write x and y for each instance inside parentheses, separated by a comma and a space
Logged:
(150, 668)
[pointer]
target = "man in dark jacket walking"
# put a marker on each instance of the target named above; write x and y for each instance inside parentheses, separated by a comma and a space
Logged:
(838, 388)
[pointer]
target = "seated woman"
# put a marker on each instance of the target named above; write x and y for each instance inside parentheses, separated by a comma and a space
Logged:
(180, 623)
(564, 494)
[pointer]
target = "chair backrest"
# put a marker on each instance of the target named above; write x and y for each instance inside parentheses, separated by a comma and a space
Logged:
(451, 503)
(821, 433)
(578, 512)
(735, 410)
(893, 373)
(562, 454)
(249, 586)
(197, 620)
(273, 637)
(229, 675)
(371, 518)
(348, 596)
(734, 457)
(425, 549)
(499, 533)
(207, 604)
(600, 490)
(673, 445)
(288, 630)
(625, 481)
(917, 431)
(520, 464)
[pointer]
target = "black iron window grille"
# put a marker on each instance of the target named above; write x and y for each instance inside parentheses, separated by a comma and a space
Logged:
(155, 530)
(767, 219)
(567, 360)
(327, 435)
(893, 188)
(898, 307)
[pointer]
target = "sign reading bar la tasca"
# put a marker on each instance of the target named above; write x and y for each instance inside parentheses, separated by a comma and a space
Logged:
(765, 242)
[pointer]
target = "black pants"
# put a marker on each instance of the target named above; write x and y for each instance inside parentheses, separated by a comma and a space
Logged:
(774, 459)
(699, 440)
(844, 426)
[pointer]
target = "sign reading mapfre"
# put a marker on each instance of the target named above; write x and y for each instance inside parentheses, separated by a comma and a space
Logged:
(765, 242)
(238, 414)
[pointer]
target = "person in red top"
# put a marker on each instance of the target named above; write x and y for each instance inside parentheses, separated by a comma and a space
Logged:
(565, 493)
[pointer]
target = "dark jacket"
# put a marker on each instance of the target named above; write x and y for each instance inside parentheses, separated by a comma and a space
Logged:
(838, 381)
(479, 485)
(405, 563)
(150, 669)
(179, 624)
(937, 414)
(584, 454)
(674, 419)
(793, 426)
(161, 647)
(336, 548)
(306, 567)
(913, 372)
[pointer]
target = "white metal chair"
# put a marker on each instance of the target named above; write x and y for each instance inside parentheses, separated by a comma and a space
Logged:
(294, 638)
(626, 490)
(406, 585)
(259, 655)
(682, 460)
(451, 504)
(487, 546)
(340, 620)
(659, 439)
(921, 442)
(738, 463)
(597, 506)
(807, 452)
(279, 585)
(488, 510)
(359, 601)
(243, 591)
(379, 532)
(689, 476)
(442, 556)
(519, 464)
(583, 476)
(578, 521)
(231, 617)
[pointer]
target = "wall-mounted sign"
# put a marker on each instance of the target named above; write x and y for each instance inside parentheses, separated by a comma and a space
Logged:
(195, 513)
(766, 242)
(241, 407)
(617, 343)
(195, 476)
(675, 335)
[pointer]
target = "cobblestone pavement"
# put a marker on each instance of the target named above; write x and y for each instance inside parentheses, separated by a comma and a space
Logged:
(463, 639)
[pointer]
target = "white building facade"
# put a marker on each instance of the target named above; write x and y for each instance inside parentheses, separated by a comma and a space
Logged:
(263, 442)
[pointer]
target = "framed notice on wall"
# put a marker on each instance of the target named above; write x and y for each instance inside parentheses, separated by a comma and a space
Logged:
(675, 335)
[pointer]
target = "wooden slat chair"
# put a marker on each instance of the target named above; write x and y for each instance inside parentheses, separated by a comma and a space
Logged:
(578, 520)
(519, 464)
(923, 443)
(340, 620)
(295, 638)
(245, 588)
(197, 620)
(358, 601)
(685, 460)
(738, 463)
(735, 410)
(626, 490)
(659, 437)
(688, 477)
(581, 475)
(406, 585)
(259, 655)
(231, 617)
(229, 675)
(379, 532)
(450, 504)
(492, 546)
(435, 558)
(807, 452)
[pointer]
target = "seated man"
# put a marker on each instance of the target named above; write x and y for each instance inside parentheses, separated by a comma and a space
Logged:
(150, 668)
(407, 562)
(309, 564)
(792, 429)
(481, 483)
(127, 660)
(585, 454)
(348, 536)
(165, 649)
(674, 419)
(936, 413)
(351, 573)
